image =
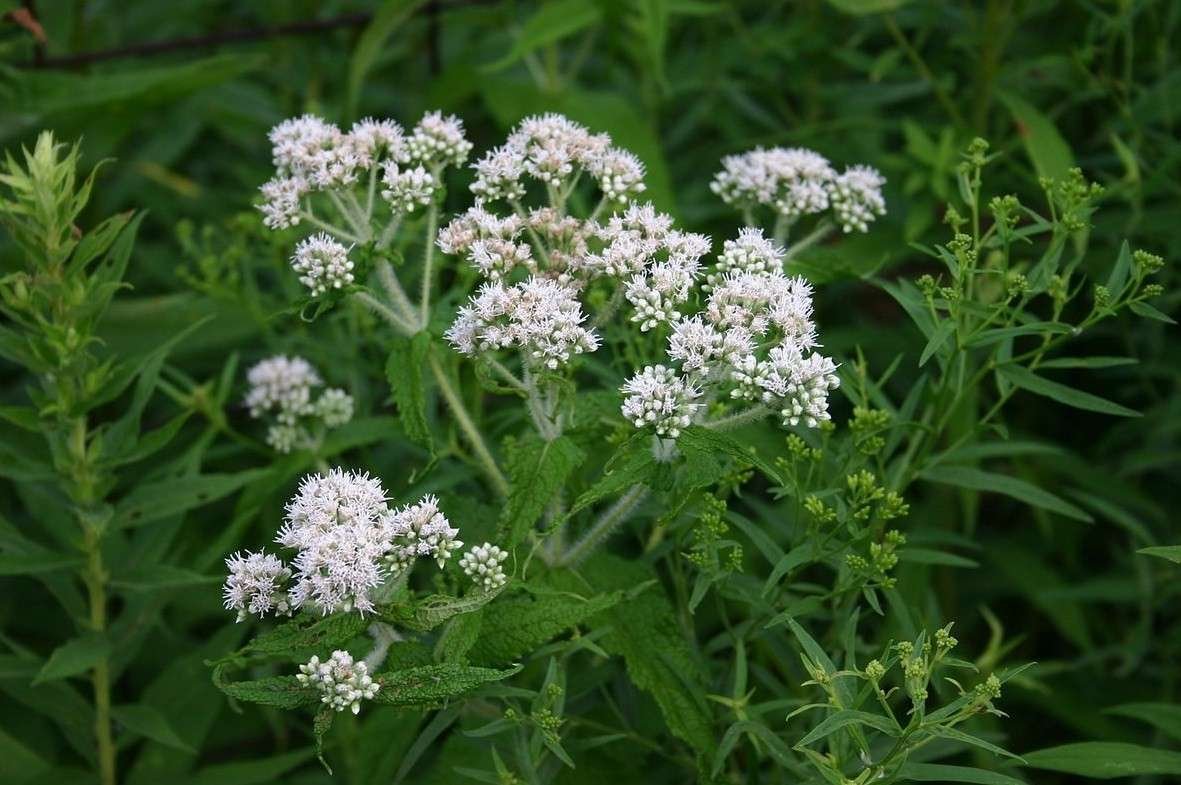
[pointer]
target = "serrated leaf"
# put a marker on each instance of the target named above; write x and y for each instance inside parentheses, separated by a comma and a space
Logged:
(406, 372)
(632, 464)
(281, 692)
(696, 437)
(517, 625)
(980, 480)
(1039, 385)
(430, 612)
(74, 657)
(304, 633)
(433, 684)
(1105, 759)
(537, 471)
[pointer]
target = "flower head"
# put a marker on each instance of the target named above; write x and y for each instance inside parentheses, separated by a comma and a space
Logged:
(322, 263)
(334, 407)
(422, 530)
(282, 385)
(540, 317)
(657, 397)
(482, 563)
(339, 524)
(857, 197)
(256, 584)
(438, 140)
(408, 188)
(343, 683)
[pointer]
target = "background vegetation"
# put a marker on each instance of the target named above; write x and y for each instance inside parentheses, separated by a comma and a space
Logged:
(903, 86)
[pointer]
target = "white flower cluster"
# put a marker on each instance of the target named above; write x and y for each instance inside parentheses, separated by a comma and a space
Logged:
(483, 564)
(658, 398)
(322, 264)
(797, 182)
(342, 682)
(256, 584)
(554, 151)
(282, 386)
(753, 341)
(658, 263)
(348, 542)
(540, 317)
(539, 262)
(312, 155)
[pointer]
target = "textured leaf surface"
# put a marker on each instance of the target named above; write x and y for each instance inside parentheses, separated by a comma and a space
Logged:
(432, 684)
(515, 626)
(537, 471)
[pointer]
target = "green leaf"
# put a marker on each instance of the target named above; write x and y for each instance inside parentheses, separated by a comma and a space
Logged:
(150, 723)
(1089, 362)
(255, 772)
(936, 772)
(405, 371)
(1164, 716)
(980, 480)
(843, 719)
(36, 563)
(308, 633)
(74, 657)
(866, 7)
(552, 22)
(537, 471)
(998, 334)
(1027, 380)
(937, 340)
(165, 498)
(1105, 760)
(1141, 308)
(696, 437)
(1119, 271)
(155, 577)
(433, 684)
(631, 464)
(388, 18)
(1170, 552)
(515, 626)
(947, 732)
(430, 612)
(282, 692)
(1045, 146)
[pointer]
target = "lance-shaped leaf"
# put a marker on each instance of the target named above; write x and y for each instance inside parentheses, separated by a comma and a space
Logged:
(537, 471)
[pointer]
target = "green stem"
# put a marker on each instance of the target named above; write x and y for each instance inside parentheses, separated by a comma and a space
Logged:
(613, 516)
(738, 419)
(464, 420)
(428, 258)
(398, 322)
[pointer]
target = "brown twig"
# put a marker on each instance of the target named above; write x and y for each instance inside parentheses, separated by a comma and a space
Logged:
(208, 41)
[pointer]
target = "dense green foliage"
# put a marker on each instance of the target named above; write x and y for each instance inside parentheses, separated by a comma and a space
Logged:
(754, 605)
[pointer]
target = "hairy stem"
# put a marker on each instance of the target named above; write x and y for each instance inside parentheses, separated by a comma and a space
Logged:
(738, 419)
(398, 322)
(464, 420)
(822, 230)
(428, 258)
(389, 281)
(613, 516)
